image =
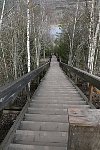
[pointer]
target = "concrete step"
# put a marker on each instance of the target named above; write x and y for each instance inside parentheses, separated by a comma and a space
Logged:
(58, 102)
(47, 111)
(46, 118)
(58, 106)
(44, 126)
(34, 147)
(43, 138)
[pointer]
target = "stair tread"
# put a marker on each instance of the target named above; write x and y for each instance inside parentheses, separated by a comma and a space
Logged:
(44, 126)
(46, 118)
(34, 147)
(59, 106)
(49, 111)
(40, 137)
(59, 98)
(57, 102)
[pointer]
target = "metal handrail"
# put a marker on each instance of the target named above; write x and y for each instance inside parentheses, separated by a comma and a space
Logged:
(92, 79)
(10, 92)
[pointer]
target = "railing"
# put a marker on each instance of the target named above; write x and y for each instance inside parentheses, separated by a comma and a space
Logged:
(10, 92)
(94, 81)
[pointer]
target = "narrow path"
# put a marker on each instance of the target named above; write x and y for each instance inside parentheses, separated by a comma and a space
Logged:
(45, 125)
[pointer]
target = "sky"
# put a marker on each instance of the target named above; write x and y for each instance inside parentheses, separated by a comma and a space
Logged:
(54, 30)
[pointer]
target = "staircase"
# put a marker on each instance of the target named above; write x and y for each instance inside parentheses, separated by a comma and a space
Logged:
(45, 124)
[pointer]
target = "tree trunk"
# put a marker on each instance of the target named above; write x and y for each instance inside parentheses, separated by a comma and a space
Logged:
(1, 20)
(74, 28)
(3, 54)
(15, 56)
(2, 14)
(28, 37)
(93, 39)
(44, 53)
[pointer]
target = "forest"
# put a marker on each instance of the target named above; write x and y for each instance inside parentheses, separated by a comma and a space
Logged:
(50, 74)
(26, 42)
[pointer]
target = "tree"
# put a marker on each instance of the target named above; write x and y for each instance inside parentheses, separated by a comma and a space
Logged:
(82, 33)
(28, 37)
(22, 37)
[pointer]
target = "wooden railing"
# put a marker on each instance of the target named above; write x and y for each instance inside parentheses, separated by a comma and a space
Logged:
(94, 81)
(9, 93)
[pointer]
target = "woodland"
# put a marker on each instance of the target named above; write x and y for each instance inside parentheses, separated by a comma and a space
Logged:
(26, 42)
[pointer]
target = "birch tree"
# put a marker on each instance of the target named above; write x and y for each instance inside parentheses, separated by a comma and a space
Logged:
(2, 13)
(28, 37)
(93, 38)
(3, 54)
(73, 34)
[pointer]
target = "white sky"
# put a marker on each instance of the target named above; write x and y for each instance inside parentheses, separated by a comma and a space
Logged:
(54, 30)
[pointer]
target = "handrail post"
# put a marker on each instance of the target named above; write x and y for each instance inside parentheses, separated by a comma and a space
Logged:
(90, 92)
(76, 79)
(1, 113)
(28, 92)
(38, 79)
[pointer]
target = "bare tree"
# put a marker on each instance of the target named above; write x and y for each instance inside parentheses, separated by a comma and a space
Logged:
(93, 37)
(28, 36)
